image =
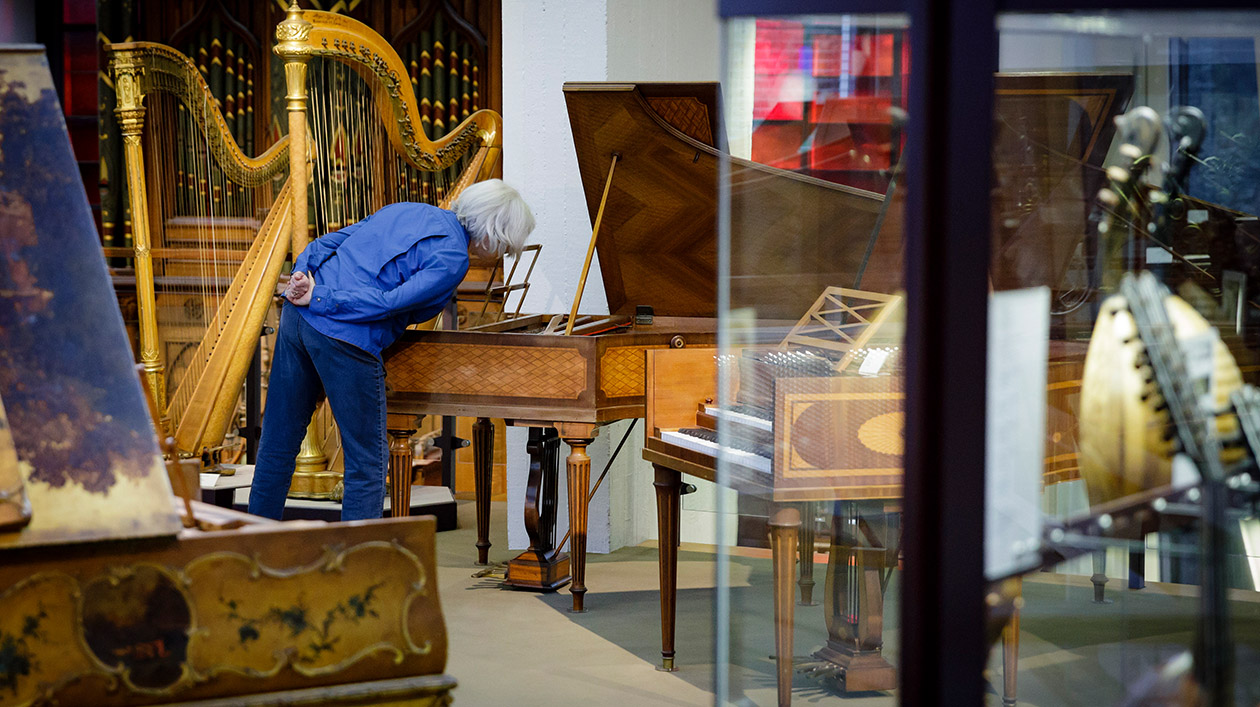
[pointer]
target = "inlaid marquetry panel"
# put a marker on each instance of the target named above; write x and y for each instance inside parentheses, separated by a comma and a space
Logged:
(470, 369)
(686, 113)
(838, 438)
(622, 369)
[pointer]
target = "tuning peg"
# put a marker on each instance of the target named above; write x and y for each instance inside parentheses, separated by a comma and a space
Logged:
(1140, 128)
(1186, 126)
(1118, 174)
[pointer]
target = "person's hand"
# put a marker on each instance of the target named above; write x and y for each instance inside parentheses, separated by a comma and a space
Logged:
(300, 287)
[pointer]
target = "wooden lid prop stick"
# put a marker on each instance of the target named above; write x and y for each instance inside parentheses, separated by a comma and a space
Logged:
(590, 250)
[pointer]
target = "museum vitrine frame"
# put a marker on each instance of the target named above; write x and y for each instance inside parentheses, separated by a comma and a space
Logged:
(947, 242)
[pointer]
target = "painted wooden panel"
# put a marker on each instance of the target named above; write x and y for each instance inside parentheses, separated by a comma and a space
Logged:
(76, 410)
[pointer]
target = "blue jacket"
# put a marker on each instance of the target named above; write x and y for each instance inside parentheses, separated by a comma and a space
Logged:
(397, 267)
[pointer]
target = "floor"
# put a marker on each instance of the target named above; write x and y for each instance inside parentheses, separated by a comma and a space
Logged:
(521, 648)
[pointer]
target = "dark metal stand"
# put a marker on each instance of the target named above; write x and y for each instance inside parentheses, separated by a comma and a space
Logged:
(252, 431)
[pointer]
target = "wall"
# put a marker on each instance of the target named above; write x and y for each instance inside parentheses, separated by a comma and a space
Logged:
(545, 43)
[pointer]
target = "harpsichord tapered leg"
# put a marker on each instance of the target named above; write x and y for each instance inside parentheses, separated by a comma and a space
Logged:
(483, 465)
(400, 428)
(578, 466)
(1010, 657)
(806, 582)
(785, 525)
(668, 485)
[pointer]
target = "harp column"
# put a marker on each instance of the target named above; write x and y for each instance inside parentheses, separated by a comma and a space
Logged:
(312, 479)
(291, 35)
(130, 113)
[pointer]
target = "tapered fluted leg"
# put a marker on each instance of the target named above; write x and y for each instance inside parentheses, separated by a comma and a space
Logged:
(668, 484)
(483, 477)
(806, 582)
(1010, 657)
(785, 525)
(578, 466)
(400, 459)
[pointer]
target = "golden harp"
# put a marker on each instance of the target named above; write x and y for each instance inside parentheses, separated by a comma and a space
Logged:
(210, 231)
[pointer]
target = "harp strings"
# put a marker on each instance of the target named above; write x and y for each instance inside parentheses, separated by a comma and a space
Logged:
(202, 224)
(356, 168)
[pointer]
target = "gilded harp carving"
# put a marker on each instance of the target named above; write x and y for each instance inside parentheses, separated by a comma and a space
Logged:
(211, 227)
(350, 91)
(352, 101)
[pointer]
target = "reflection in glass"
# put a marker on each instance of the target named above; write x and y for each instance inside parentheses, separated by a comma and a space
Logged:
(808, 426)
(1098, 378)
(1126, 216)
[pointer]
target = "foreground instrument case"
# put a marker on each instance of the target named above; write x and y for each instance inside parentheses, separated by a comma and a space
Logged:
(118, 605)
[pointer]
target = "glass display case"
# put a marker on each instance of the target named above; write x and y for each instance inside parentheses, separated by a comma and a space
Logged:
(988, 336)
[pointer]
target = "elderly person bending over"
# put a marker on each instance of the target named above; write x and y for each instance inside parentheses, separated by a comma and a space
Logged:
(352, 293)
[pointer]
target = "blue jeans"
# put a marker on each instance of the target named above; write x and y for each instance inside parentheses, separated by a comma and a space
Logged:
(306, 366)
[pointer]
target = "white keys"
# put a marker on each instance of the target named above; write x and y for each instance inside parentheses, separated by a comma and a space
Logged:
(741, 418)
(704, 446)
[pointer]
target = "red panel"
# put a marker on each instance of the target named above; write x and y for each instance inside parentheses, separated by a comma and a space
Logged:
(86, 143)
(905, 68)
(854, 109)
(828, 54)
(854, 147)
(778, 97)
(850, 134)
(871, 55)
(79, 12)
(778, 144)
(778, 46)
(80, 50)
(868, 55)
(80, 93)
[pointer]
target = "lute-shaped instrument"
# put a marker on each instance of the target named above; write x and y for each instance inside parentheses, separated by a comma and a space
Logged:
(1145, 399)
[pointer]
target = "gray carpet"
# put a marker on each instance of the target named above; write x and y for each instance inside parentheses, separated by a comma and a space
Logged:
(520, 648)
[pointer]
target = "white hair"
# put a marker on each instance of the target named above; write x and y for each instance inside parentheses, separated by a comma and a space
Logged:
(495, 214)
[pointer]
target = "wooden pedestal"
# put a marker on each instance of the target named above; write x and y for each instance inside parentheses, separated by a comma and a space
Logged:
(578, 467)
(538, 572)
(541, 568)
(854, 601)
